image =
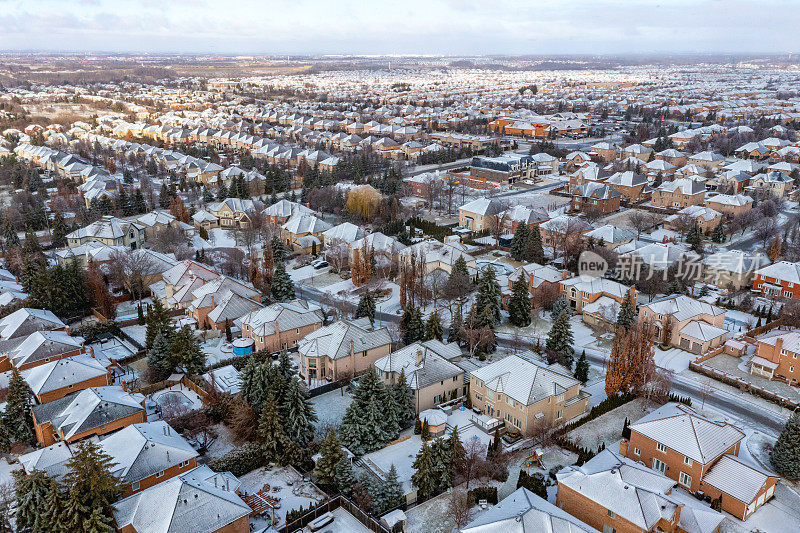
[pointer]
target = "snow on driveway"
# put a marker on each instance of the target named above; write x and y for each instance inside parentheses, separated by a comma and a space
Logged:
(673, 359)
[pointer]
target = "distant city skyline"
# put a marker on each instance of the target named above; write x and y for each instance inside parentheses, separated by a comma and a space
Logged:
(447, 27)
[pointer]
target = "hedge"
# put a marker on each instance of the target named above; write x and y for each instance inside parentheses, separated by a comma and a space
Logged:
(484, 493)
(240, 460)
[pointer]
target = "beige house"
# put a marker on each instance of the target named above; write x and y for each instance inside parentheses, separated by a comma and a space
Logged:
(679, 193)
(776, 182)
(481, 214)
(429, 372)
(342, 350)
(235, 212)
(733, 269)
(282, 325)
(685, 323)
(730, 204)
(111, 231)
(526, 394)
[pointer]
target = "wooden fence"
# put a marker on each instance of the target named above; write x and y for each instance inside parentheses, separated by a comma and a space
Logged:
(330, 505)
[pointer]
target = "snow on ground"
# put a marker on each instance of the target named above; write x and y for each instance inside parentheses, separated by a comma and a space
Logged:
(433, 516)
(401, 455)
(221, 238)
(344, 522)
(177, 397)
(607, 428)
(5, 471)
(217, 350)
(330, 408)
(673, 359)
(137, 333)
(130, 309)
(779, 515)
(739, 320)
(291, 489)
(222, 444)
(307, 272)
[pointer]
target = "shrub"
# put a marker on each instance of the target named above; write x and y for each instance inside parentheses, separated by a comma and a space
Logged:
(484, 493)
(533, 482)
(240, 460)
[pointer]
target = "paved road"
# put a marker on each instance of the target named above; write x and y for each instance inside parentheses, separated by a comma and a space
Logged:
(767, 421)
(421, 169)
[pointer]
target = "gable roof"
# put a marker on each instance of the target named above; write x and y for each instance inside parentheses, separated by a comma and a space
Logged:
(525, 381)
(25, 321)
(333, 341)
(62, 373)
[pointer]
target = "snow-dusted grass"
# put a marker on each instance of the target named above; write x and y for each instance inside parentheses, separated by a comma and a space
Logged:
(136, 332)
(607, 428)
(433, 516)
(221, 238)
(330, 408)
(6, 470)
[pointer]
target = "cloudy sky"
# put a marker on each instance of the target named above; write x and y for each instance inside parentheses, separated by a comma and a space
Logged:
(401, 26)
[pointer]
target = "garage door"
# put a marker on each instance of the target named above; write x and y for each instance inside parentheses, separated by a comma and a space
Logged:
(684, 343)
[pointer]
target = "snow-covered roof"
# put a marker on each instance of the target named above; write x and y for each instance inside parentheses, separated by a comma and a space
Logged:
(782, 271)
(424, 363)
(62, 373)
(736, 478)
(524, 381)
(682, 307)
(334, 341)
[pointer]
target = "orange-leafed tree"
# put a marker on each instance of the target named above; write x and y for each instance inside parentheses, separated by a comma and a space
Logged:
(178, 209)
(631, 355)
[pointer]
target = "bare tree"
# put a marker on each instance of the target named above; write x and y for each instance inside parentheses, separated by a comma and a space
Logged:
(474, 455)
(459, 510)
(338, 256)
(642, 221)
(131, 270)
(766, 229)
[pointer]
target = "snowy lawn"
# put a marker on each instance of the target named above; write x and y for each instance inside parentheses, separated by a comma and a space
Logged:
(129, 309)
(307, 272)
(137, 333)
(401, 454)
(330, 408)
(221, 238)
(5, 471)
(222, 444)
(607, 428)
(732, 366)
(285, 483)
(433, 516)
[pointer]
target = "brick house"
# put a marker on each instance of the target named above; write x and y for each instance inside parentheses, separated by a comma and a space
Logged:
(689, 448)
(540, 278)
(525, 393)
(56, 379)
(613, 493)
(598, 300)
(730, 205)
(705, 218)
(38, 348)
(685, 323)
(595, 196)
(776, 357)
(679, 193)
(632, 186)
(778, 280)
(281, 325)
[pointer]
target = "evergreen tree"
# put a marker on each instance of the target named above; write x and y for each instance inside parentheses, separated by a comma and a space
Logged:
(158, 359)
(460, 267)
(222, 192)
(426, 430)
(299, 415)
(59, 231)
(331, 453)
(403, 398)
(253, 379)
(185, 352)
(519, 241)
(443, 463)
(582, 369)
(519, 306)
(457, 453)
(285, 365)
(411, 325)
(425, 475)
(561, 305)
(434, 328)
(392, 490)
(365, 427)
(158, 321)
(534, 251)
(140, 314)
(31, 492)
(207, 196)
(270, 431)
(139, 202)
(786, 454)
(164, 197)
(488, 296)
(278, 251)
(54, 507)
(16, 422)
(97, 522)
(627, 313)
(91, 484)
(456, 325)
(718, 235)
(560, 340)
(282, 285)
(366, 307)
(228, 334)
(344, 478)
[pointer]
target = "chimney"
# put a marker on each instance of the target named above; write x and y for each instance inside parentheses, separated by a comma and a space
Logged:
(778, 348)
(419, 356)
(352, 348)
(623, 447)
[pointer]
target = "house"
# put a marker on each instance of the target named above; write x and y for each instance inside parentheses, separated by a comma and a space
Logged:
(302, 225)
(343, 349)
(732, 269)
(58, 378)
(512, 217)
(613, 493)
(235, 212)
(540, 280)
(345, 232)
(437, 255)
(38, 348)
(610, 236)
(638, 151)
(429, 372)
(730, 205)
(685, 323)
(679, 193)
(505, 169)
(222, 301)
(525, 394)
(282, 210)
(559, 232)
(481, 214)
(779, 280)
(604, 151)
(632, 186)
(597, 197)
(281, 325)
(385, 249)
(688, 448)
(524, 512)
(198, 500)
(598, 299)
(25, 321)
(111, 231)
(776, 357)
(157, 221)
(778, 183)
(92, 411)
(708, 160)
(706, 219)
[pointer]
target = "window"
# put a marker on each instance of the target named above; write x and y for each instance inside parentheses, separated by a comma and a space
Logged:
(637, 451)
(559, 413)
(687, 461)
(661, 466)
(135, 486)
(685, 479)
(661, 447)
(160, 474)
(610, 513)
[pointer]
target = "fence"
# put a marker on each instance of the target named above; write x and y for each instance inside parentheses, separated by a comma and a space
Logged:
(147, 390)
(322, 389)
(743, 385)
(330, 505)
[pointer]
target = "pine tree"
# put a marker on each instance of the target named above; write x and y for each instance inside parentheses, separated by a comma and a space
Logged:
(270, 431)
(443, 463)
(456, 325)
(140, 314)
(488, 296)
(59, 231)
(285, 365)
(207, 196)
(718, 235)
(185, 352)
(424, 477)
(366, 307)
(403, 397)
(582, 369)
(434, 328)
(158, 321)
(54, 505)
(364, 426)
(158, 359)
(31, 491)
(97, 522)
(299, 415)
(91, 484)
(282, 285)
(460, 266)
(222, 192)
(16, 421)
(534, 251)
(559, 306)
(560, 340)
(426, 430)
(412, 326)
(627, 313)
(519, 241)
(254, 383)
(519, 306)
(786, 454)
(331, 453)
(392, 490)
(278, 251)
(456, 450)
(344, 478)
